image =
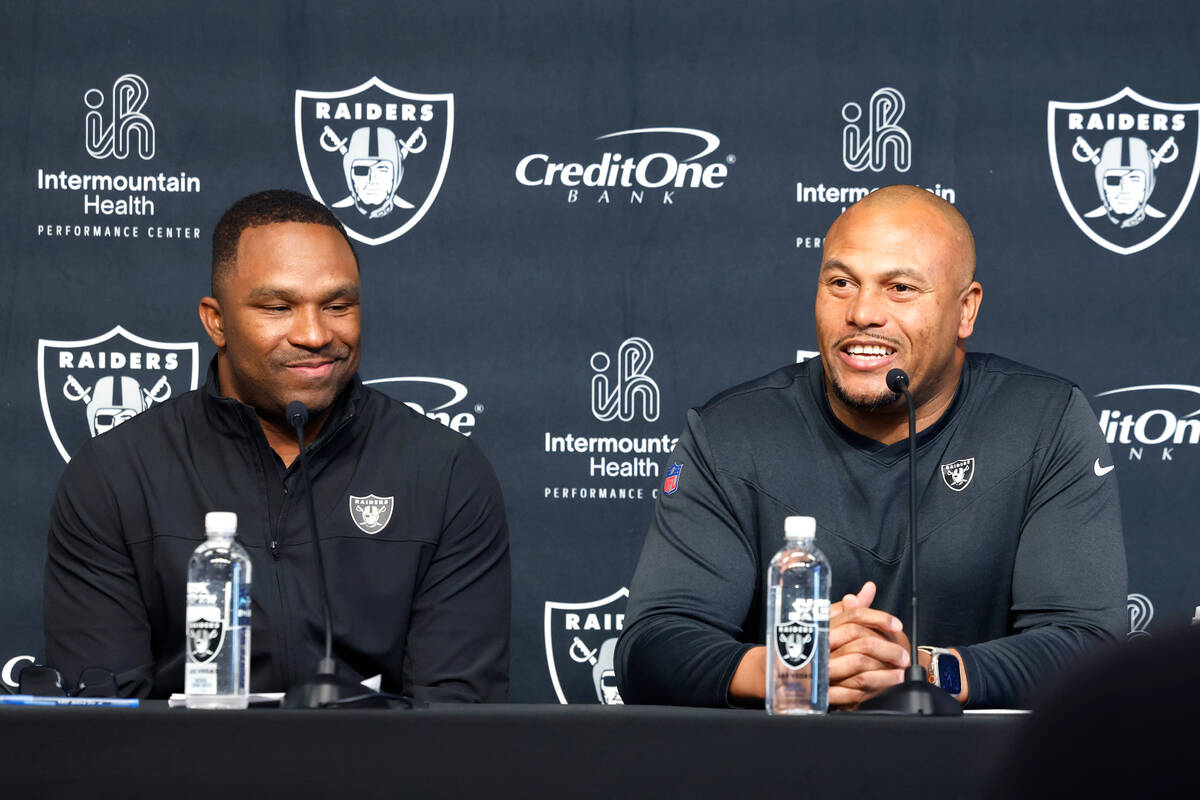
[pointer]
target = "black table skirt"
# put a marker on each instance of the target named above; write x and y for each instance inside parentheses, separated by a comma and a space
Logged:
(570, 752)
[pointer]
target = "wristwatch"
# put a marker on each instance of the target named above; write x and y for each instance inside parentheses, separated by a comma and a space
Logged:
(944, 669)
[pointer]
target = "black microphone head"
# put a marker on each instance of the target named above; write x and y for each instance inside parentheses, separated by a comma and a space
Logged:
(897, 380)
(297, 414)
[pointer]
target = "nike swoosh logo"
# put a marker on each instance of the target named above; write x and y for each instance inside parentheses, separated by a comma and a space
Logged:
(1102, 471)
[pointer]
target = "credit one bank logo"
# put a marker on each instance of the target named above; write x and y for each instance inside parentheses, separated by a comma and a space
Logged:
(440, 399)
(680, 160)
(1153, 420)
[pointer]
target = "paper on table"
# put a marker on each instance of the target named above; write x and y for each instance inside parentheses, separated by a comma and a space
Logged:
(178, 700)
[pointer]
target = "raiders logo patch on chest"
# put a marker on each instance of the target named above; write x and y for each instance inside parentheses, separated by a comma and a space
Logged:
(371, 513)
(958, 474)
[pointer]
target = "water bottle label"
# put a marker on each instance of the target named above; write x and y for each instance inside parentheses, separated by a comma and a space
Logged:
(796, 639)
(207, 622)
(795, 643)
(200, 679)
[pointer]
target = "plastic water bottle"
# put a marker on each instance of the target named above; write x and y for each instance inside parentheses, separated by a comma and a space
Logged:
(798, 623)
(217, 673)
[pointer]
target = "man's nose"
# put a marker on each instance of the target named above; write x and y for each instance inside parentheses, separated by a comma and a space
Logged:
(866, 310)
(310, 330)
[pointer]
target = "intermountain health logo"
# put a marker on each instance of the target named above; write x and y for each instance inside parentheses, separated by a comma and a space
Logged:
(628, 391)
(1125, 166)
(877, 141)
(121, 129)
(92, 385)
(624, 399)
(873, 142)
(121, 195)
(375, 154)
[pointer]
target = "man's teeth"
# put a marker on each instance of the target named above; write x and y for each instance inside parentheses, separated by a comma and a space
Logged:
(869, 350)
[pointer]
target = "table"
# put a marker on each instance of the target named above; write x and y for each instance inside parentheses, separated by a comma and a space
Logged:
(527, 751)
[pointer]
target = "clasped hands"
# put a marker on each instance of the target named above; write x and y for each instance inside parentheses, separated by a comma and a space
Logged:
(868, 649)
(868, 652)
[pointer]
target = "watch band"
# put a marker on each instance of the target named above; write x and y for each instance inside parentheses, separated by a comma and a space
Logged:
(931, 673)
(944, 671)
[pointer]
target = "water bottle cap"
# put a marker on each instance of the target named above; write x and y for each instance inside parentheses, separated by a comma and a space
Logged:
(800, 528)
(222, 522)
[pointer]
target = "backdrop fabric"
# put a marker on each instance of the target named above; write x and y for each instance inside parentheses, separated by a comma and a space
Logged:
(577, 220)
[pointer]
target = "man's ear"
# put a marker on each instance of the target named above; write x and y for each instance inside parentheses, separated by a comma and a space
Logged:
(213, 322)
(971, 300)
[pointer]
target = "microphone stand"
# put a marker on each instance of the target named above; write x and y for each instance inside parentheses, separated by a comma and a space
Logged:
(915, 695)
(326, 689)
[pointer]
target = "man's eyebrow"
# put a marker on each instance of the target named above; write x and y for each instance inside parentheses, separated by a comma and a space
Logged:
(348, 291)
(902, 272)
(911, 273)
(271, 293)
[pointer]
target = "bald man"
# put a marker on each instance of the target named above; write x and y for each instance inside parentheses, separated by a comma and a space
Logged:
(1022, 553)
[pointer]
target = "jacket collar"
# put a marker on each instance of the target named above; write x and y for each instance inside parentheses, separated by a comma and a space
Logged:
(234, 418)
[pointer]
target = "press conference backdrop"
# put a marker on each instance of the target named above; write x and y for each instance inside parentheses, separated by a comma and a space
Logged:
(577, 220)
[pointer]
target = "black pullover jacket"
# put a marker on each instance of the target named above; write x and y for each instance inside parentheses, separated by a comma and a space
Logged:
(422, 601)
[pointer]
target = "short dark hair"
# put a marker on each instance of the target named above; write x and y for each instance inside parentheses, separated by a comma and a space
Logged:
(264, 208)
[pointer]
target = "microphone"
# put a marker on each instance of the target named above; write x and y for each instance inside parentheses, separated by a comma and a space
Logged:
(297, 414)
(326, 690)
(915, 695)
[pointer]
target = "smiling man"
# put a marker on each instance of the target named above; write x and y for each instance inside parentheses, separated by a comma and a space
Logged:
(410, 515)
(1022, 554)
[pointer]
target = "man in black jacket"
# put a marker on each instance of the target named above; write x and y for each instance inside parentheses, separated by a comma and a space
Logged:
(410, 514)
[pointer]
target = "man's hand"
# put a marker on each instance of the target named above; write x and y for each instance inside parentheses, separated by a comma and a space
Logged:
(868, 650)
(868, 653)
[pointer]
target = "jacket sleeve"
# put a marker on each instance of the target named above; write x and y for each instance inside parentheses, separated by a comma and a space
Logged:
(691, 592)
(1069, 580)
(457, 649)
(93, 611)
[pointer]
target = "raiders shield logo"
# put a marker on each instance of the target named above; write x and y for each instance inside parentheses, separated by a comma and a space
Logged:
(795, 642)
(1125, 166)
(93, 385)
(371, 513)
(581, 641)
(207, 615)
(958, 474)
(375, 154)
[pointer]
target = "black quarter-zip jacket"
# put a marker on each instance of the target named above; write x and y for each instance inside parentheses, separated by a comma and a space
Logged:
(1022, 557)
(423, 601)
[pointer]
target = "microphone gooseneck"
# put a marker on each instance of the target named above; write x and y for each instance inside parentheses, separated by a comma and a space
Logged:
(897, 381)
(326, 690)
(915, 695)
(297, 415)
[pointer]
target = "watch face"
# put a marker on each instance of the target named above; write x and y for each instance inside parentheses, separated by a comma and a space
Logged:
(947, 670)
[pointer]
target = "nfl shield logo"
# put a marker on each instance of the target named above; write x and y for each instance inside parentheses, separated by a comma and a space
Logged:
(672, 481)
(958, 474)
(375, 154)
(93, 385)
(581, 641)
(1125, 166)
(371, 513)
